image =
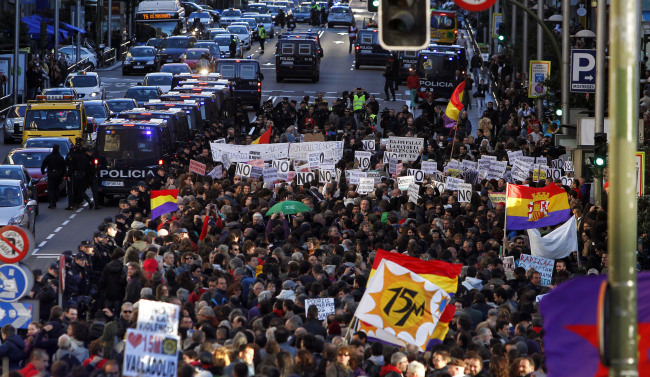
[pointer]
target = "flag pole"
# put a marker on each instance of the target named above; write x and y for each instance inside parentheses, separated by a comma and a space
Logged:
(505, 222)
(451, 153)
(353, 323)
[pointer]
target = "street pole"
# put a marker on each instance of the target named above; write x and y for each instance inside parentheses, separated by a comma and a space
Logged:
(566, 10)
(78, 53)
(513, 35)
(16, 66)
(489, 33)
(524, 45)
(110, 15)
(601, 39)
(56, 29)
(624, 17)
(540, 51)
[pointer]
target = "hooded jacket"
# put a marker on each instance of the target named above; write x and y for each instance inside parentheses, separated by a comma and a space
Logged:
(14, 348)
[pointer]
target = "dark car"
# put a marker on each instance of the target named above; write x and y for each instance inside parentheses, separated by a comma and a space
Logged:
(11, 120)
(154, 42)
(172, 48)
(140, 59)
(32, 159)
(121, 104)
(176, 68)
(64, 143)
(224, 46)
(142, 93)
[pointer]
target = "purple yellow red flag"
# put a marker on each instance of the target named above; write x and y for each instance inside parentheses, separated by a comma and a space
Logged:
(163, 201)
(529, 207)
(264, 138)
(440, 274)
(450, 118)
(571, 314)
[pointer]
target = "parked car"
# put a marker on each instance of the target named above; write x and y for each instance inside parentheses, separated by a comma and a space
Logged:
(20, 173)
(11, 121)
(16, 208)
(70, 54)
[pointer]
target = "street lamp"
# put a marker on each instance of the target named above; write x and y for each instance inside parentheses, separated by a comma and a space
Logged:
(584, 34)
(556, 18)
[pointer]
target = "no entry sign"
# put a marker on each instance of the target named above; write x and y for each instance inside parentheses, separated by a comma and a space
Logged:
(475, 5)
(15, 244)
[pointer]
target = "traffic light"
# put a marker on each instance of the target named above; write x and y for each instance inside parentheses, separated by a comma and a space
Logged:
(373, 5)
(404, 24)
(501, 33)
(600, 150)
(558, 112)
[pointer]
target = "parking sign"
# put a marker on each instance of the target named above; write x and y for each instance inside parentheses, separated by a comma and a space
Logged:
(583, 71)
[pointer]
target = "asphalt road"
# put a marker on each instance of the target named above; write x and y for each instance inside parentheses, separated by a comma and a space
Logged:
(58, 230)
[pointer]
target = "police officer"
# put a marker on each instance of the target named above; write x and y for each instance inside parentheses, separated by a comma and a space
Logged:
(91, 180)
(261, 33)
(54, 163)
(232, 46)
(76, 173)
(77, 280)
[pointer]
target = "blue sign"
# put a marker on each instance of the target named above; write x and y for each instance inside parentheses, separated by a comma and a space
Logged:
(583, 71)
(17, 314)
(16, 280)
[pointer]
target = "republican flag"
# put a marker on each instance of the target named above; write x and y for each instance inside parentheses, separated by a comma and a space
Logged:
(265, 138)
(560, 243)
(163, 201)
(440, 274)
(450, 118)
(528, 207)
(571, 340)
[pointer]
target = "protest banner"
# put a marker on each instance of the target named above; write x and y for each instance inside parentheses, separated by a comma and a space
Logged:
(413, 192)
(256, 172)
(407, 148)
(497, 170)
(315, 159)
(258, 163)
(429, 167)
(332, 150)
(528, 161)
(362, 158)
(453, 168)
(568, 165)
(369, 145)
(554, 174)
(197, 167)
(509, 266)
(158, 317)
(404, 182)
(325, 306)
(514, 156)
(464, 192)
(216, 172)
(417, 174)
(484, 164)
(541, 160)
(519, 171)
(366, 185)
(303, 178)
(243, 170)
(245, 153)
(270, 175)
(542, 265)
(374, 174)
(566, 181)
(225, 160)
(148, 354)
(557, 164)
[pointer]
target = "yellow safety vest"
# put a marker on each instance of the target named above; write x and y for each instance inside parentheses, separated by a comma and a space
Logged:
(357, 102)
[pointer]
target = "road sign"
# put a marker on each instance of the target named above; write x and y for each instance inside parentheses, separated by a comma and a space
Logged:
(15, 244)
(475, 5)
(583, 71)
(539, 72)
(497, 20)
(17, 314)
(16, 280)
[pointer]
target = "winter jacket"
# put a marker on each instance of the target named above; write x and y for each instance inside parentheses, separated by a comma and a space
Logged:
(14, 348)
(390, 370)
(113, 280)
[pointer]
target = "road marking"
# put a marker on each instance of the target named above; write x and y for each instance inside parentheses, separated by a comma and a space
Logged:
(65, 222)
(72, 216)
(35, 250)
(50, 236)
(42, 244)
(79, 210)
(46, 256)
(58, 229)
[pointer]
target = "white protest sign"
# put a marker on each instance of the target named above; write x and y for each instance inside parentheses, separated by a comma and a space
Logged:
(407, 148)
(439, 185)
(541, 160)
(315, 159)
(404, 182)
(244, 153)
(325, 307)
(270, 175)
(355, 176)
(149, 354)
(469, 165)
(392, 166)
(332, 150)
(452, 183)
(568, 165)
(225, 160)
(158, 317)
(216, 172)
(256, 172)
(374, 174)
(497, 170)
(220, 141)
(283, 166)
(429, 167)
(243, 170)
(363, 159)
(303, 178)
(418, 175)
(557, 164)
(509, 267)
(488, 157)
(566, 181)
(413, 193)
(325, 175)
(388, 156)
(542, 265)
(464, 192)
(258, 163)
(369, 145)
(528, 161)
(453, 168)
(554, 174)
(484, 164)
(366, 185)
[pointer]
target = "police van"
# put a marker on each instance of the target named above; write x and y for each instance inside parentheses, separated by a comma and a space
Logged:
(460, 51)
(191, 108)
(407, 60)
(437, 72)
(179, 78)
(306, 34)
(177, 121)
(245, 77)
(297, 58)
(368, 51)
(129, 151)
(207, 102)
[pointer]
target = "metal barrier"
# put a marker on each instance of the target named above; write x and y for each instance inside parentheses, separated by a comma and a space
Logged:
(81, 65)
(6, 101)
(108, 57)
(124, 48)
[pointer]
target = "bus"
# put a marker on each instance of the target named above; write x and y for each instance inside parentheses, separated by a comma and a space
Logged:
(159, 19)
(444, 27)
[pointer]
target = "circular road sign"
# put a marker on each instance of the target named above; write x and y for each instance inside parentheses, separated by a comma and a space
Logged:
(475, 5)
(539, 88)
(15, 244)
(16, 280)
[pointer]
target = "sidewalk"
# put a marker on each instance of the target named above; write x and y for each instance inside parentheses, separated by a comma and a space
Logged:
(110, 68)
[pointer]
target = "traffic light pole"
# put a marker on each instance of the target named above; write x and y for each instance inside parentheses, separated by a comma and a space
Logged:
(540, 53)
(16, 66)
(624, 17)
(566, 11)
(601, 29)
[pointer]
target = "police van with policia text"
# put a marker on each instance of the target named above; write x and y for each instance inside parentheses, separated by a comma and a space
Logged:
(177, 121)
(191, 108)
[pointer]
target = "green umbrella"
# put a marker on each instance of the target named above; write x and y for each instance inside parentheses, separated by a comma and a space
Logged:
(289, 207)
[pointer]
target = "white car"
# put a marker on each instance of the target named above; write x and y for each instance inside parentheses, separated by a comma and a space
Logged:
(267, 21)
(229, 16)
(87, 84)
(16, 208)
(243, 32)
(340, 15)
(163, 80)
(70, 53)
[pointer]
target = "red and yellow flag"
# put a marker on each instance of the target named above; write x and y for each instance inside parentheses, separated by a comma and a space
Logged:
(265, 138)
(529, 207)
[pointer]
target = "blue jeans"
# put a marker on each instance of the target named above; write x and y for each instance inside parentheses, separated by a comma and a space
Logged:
(414, 93)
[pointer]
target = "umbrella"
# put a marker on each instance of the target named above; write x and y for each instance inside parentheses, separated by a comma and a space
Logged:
(289, 207)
